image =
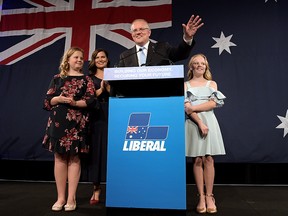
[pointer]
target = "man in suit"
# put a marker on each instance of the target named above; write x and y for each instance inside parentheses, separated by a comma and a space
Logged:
(161, 53)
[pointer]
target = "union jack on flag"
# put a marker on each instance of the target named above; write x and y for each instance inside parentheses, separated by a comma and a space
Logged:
(132, 129)
(44, 22)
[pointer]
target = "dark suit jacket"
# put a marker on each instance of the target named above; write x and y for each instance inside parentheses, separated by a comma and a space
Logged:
(161, 53)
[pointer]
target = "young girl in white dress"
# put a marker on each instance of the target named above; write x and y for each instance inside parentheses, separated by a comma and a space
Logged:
(202, 132)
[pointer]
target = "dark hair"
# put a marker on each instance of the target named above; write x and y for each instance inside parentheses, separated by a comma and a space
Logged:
(91, 66)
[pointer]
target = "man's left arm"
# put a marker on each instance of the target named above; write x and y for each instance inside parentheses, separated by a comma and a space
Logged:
(190, 29)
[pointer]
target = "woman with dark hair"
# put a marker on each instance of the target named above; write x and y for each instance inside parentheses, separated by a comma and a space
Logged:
(98, 123)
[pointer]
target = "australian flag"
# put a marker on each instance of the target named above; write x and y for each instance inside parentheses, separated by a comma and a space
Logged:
(245, 43)
(138, 128)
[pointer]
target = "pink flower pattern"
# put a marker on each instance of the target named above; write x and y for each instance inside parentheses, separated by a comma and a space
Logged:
(67, 125)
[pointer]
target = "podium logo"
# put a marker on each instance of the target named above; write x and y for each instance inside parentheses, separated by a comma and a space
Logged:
(140, 136)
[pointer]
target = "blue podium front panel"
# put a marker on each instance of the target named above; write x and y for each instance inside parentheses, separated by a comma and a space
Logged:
(146, 153)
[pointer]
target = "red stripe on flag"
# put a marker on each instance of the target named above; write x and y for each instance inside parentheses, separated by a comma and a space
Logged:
(29, 49)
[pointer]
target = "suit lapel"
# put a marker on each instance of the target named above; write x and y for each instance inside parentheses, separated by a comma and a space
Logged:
(134, 58)
(150, 53)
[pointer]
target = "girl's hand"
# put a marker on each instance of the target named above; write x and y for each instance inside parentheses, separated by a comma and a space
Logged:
(203, 129)
(65, 100)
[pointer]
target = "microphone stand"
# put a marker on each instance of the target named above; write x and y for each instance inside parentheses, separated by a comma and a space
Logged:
(163, 57)
(116, 65)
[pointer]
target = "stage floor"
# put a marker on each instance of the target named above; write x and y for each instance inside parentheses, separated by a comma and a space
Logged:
(31, 198)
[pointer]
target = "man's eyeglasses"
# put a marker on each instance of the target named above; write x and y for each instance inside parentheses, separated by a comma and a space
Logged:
(140, 30)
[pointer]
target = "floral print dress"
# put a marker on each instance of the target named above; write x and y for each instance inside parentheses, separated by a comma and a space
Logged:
(66, 131)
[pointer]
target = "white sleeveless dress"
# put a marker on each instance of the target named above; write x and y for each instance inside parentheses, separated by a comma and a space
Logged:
(213, 144)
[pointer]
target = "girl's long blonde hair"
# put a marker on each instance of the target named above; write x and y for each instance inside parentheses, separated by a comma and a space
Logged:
(64, 66)
(207, 75)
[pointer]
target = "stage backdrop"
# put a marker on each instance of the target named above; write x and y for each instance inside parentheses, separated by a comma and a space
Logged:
(245, 42)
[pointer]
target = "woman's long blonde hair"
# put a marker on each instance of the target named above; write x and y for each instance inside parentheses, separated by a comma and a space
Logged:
(64, 66)
(207, 75)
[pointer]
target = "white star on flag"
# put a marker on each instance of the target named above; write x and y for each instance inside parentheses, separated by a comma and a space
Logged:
(284, 123)
(223, 43)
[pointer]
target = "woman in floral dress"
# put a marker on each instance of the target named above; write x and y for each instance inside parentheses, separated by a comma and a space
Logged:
(69, 94)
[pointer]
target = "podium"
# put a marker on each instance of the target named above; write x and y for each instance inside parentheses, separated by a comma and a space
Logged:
(146, 165)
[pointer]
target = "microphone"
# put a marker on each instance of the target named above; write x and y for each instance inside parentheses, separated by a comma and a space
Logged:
(121, 60)
(163, 57)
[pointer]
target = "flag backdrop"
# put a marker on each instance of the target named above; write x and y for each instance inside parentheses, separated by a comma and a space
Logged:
(245, 42)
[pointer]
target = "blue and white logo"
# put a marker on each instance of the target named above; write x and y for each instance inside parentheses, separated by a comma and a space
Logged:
(140, 136)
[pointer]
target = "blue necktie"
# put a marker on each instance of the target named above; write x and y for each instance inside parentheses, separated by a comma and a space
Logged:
(142, 56)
